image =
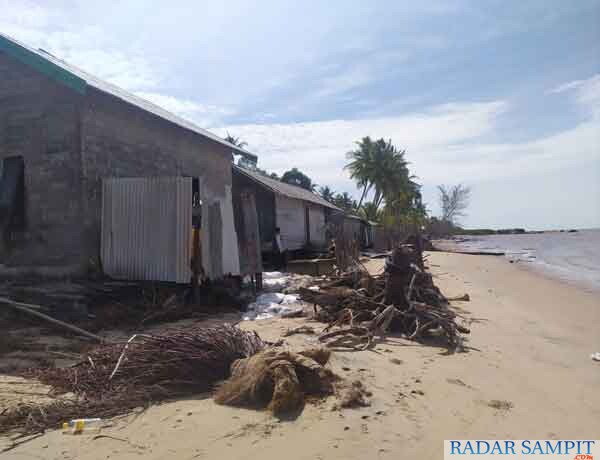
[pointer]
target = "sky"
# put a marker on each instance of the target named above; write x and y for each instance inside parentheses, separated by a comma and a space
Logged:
(502, 96)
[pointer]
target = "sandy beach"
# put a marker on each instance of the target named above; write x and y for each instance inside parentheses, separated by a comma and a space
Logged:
(526, 373)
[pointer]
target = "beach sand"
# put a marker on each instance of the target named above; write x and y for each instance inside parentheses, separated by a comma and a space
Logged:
(527, 373)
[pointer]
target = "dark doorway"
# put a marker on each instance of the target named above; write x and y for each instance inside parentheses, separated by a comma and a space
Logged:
(12, 200)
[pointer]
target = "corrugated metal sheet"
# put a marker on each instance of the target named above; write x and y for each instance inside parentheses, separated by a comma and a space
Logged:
(248, 234)
(291, 219)
(290, 191)
(146, 228)
(77, 78)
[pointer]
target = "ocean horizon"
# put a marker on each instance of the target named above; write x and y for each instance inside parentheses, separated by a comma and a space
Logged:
(567, 256)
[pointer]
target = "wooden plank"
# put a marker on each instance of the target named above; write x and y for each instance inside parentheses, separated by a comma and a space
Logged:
(30, 310)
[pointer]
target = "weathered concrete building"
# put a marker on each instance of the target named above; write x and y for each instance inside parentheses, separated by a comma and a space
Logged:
(62, 132)
(302, 216)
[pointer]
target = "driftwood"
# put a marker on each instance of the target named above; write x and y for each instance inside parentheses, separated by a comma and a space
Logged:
(30, 310)
(359, 307)
(473, 253)
(296, 313)
(304, 329)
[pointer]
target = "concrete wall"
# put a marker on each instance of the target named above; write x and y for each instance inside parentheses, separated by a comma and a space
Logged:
(291, 219)
(39, 120)
(120, 140)
(69, 142)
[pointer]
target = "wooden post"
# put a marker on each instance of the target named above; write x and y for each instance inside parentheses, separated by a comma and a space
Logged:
(196, 265)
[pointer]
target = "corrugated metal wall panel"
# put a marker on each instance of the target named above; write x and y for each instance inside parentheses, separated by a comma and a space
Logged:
(146, 228)
(290, 218)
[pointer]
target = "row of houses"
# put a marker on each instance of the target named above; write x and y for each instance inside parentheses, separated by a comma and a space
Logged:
(95, 178)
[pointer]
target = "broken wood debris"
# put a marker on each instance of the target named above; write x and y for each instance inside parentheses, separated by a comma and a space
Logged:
(304, 329)
(359, 307)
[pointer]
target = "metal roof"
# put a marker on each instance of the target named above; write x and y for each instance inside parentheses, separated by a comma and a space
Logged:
(78, 80)
(291, 191)
(355, 217)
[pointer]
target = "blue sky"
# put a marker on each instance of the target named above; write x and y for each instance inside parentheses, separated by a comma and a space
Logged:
(503, 96)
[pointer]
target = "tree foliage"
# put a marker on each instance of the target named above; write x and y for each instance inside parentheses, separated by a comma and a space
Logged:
(379, 167)
(243, 161)
(327, 193)
(345, 202)
(454, 200)
(296, 177)
(370, 212)
(235, 141)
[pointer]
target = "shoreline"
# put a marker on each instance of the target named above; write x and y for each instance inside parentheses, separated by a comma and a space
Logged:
(527, 374)
(526, 258)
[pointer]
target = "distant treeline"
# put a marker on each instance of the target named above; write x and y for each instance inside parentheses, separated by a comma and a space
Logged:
(489, 231)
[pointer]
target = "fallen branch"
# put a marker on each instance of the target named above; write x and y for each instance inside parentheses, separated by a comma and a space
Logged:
(30, 310)
(299, 330)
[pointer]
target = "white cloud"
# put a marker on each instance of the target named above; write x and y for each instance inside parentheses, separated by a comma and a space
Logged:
(444, 144)
(320, 148)
(586, 92)
(87, 47)
(354, 77)
(566, 87)
(203, 115)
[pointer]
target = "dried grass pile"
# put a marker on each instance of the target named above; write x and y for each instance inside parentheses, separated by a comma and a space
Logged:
(278, 379)
(113, 379)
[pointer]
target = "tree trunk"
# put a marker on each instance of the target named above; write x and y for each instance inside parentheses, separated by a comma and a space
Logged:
(364, 193)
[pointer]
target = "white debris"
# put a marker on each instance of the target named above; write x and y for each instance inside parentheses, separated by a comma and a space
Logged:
(314, 288)
(595, 356)
(270, 304)
(276, 281)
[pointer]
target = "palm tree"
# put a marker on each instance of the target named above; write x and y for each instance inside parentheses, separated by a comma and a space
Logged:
(391, 175)
(235, 141)
(378, 166)
(362, 166)
(370, 212)
(345, 202)
(327, 193)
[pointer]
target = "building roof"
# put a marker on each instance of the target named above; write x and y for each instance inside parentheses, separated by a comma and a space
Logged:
(355, 217)
(290, 191)
(78, 80)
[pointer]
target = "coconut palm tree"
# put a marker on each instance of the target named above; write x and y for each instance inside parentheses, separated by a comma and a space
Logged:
(391, 174)
(362, 166)
(370, 212)
(345, 202)
(327, 193)
(378, 166)
(235, 141)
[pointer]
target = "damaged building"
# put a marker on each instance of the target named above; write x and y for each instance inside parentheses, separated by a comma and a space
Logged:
(301, 216)
(97, 179)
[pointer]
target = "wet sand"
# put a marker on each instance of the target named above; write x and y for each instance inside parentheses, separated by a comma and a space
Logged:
(527, 373)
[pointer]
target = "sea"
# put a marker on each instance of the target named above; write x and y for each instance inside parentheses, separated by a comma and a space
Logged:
(568, 256)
